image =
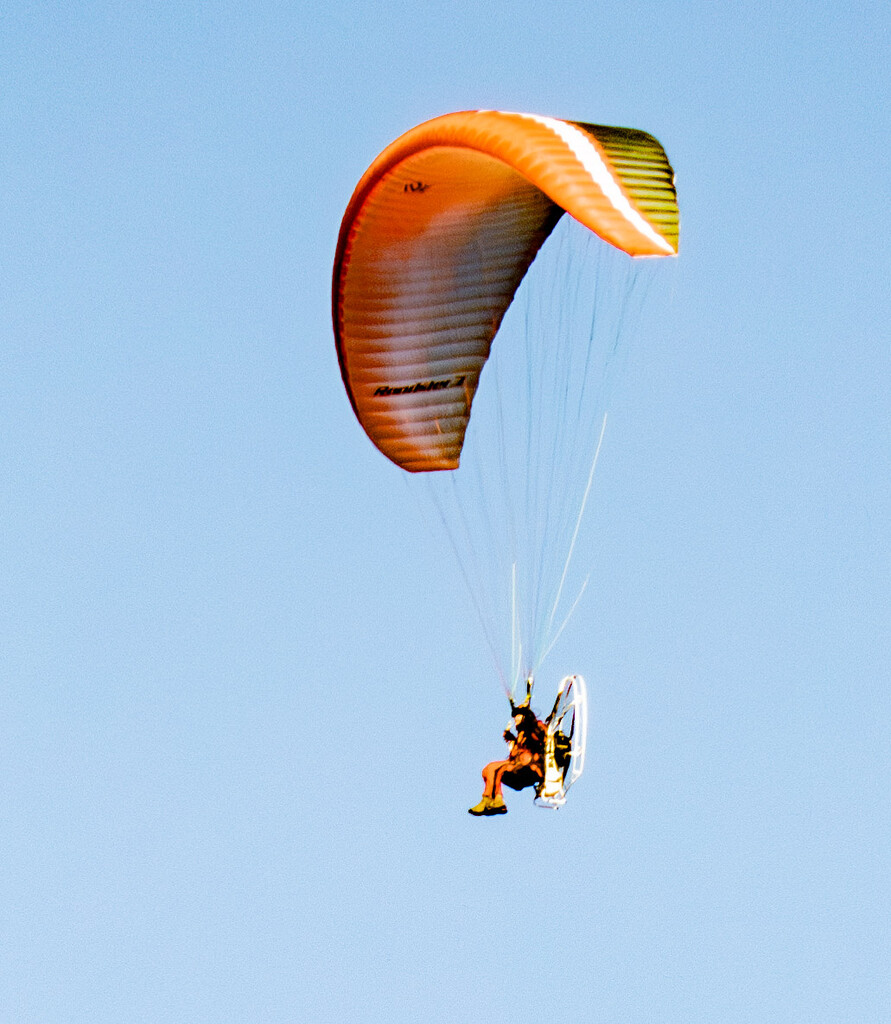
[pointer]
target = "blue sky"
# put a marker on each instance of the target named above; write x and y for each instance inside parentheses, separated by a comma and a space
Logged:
(243, 699)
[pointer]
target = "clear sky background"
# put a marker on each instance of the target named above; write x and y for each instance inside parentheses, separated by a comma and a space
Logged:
(243, 699)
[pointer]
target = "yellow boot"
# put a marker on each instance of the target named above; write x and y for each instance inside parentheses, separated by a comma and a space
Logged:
(489, 805)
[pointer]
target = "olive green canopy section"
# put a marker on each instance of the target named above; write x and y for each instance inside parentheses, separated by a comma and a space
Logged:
(642, 167)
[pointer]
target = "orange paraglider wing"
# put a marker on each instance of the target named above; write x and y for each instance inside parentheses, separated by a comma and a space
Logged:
(435, 242)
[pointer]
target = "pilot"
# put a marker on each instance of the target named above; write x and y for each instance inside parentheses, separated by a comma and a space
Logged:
(524, 765)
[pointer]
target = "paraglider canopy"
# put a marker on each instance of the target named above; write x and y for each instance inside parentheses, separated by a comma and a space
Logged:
(435, 242)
